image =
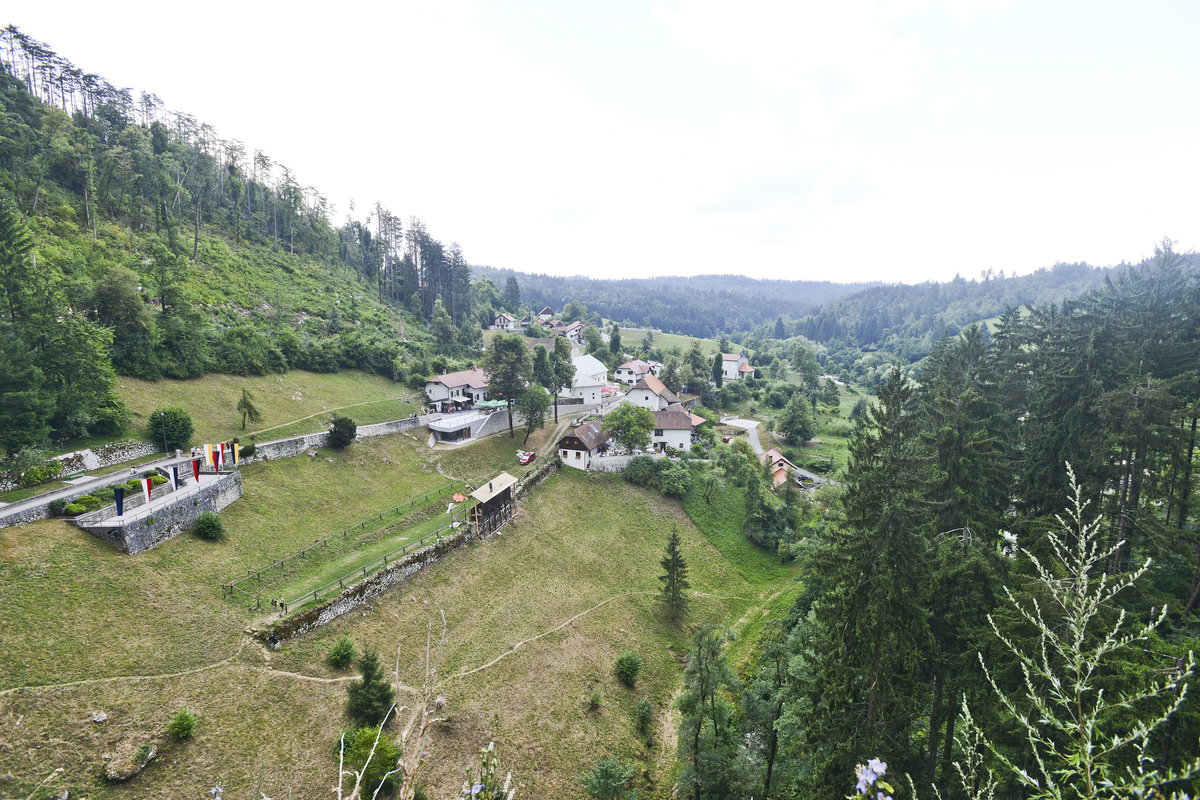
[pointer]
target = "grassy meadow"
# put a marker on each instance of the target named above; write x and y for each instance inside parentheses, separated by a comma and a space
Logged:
(535, 619)
(291, 403)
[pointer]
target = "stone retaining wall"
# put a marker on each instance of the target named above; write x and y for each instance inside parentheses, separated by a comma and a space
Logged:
(298, 445)
(138, 535)
(82, 460)
(373, 586)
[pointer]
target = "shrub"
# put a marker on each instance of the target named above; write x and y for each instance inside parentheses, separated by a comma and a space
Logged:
(645, 715)
(182, 725)
(41, 472)
(358, 742)
(341, 432)
(174, 423)
(246, 451)
(629, 664)
(57, 506)
(596, 700)
(209, 526)
(157, 480)
(643, 471)
(342, 654)
(609, 780)
(675, 480)
(73, 509)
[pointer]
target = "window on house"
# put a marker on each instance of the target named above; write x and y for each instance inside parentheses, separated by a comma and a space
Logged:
(576, 455)
(564, 452)
(658, 432)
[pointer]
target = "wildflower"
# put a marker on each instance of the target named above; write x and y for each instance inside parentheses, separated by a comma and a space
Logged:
(476, 789)
(866, 778)
(878, 767)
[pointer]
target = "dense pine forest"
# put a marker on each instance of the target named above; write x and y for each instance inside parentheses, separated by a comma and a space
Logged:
(956, 515)
(1000, 599)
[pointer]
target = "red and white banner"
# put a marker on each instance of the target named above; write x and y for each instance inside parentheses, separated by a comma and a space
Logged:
(147, 485)
(196, 469)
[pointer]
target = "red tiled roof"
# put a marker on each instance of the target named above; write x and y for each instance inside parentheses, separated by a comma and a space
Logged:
(658, 387)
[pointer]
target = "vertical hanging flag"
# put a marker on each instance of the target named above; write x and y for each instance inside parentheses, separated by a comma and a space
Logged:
(146, 486)
(208, 454)
(175, 478)
(196, 469)
(236, 447)
(119, 496)
(216, 460)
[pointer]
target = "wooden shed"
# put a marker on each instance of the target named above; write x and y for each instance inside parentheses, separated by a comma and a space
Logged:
(495, 504)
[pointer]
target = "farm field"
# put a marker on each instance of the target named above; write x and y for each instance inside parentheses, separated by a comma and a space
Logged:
(536, 617)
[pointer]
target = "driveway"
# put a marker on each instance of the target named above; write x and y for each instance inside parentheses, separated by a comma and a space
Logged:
(750, 425)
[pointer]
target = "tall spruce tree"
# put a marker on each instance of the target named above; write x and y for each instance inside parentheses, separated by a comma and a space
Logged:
(674, 578)
(858, 666)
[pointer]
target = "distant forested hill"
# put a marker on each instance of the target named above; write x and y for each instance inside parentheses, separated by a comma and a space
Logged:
(699, 305)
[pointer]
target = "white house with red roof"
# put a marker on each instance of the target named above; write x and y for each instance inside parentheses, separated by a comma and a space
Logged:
(456, 390)
(652, 394)
(735, 366)
(633, 371)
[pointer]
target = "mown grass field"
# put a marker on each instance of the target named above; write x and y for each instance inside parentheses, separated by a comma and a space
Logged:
(299, 401)
(632, 338)
(536, 617)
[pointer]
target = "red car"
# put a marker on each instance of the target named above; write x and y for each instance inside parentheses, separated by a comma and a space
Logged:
(526, 456)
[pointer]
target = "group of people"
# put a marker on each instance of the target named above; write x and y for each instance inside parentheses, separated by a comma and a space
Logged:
(279, 604)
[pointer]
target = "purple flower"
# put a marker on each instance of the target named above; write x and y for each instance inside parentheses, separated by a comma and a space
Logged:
(878, 767)
(476, 789)
(866, 778)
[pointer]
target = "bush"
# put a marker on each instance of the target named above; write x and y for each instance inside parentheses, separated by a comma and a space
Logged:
(209, 526)
(645, 715)
(57, 506)
(359, 742)
(73, 509)
(246, 451)
(342, 431)
(629, 664)
(182, 725)
(157, 480)
(176, 424)
(342, 654)
(643, 471)
(610, 780)
(39, 473)
(675, 480)
(596, 700)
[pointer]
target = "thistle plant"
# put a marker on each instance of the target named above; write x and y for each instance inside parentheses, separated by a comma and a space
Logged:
(1075, 732)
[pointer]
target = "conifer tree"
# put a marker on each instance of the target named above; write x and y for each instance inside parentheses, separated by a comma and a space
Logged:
(858, 654)
(369, 699)
(674, 578)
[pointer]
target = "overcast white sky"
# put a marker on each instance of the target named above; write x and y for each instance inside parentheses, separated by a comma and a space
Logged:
(897, 140)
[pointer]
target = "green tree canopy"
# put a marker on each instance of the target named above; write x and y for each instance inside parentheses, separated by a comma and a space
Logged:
(507, 366)
(629, 426)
